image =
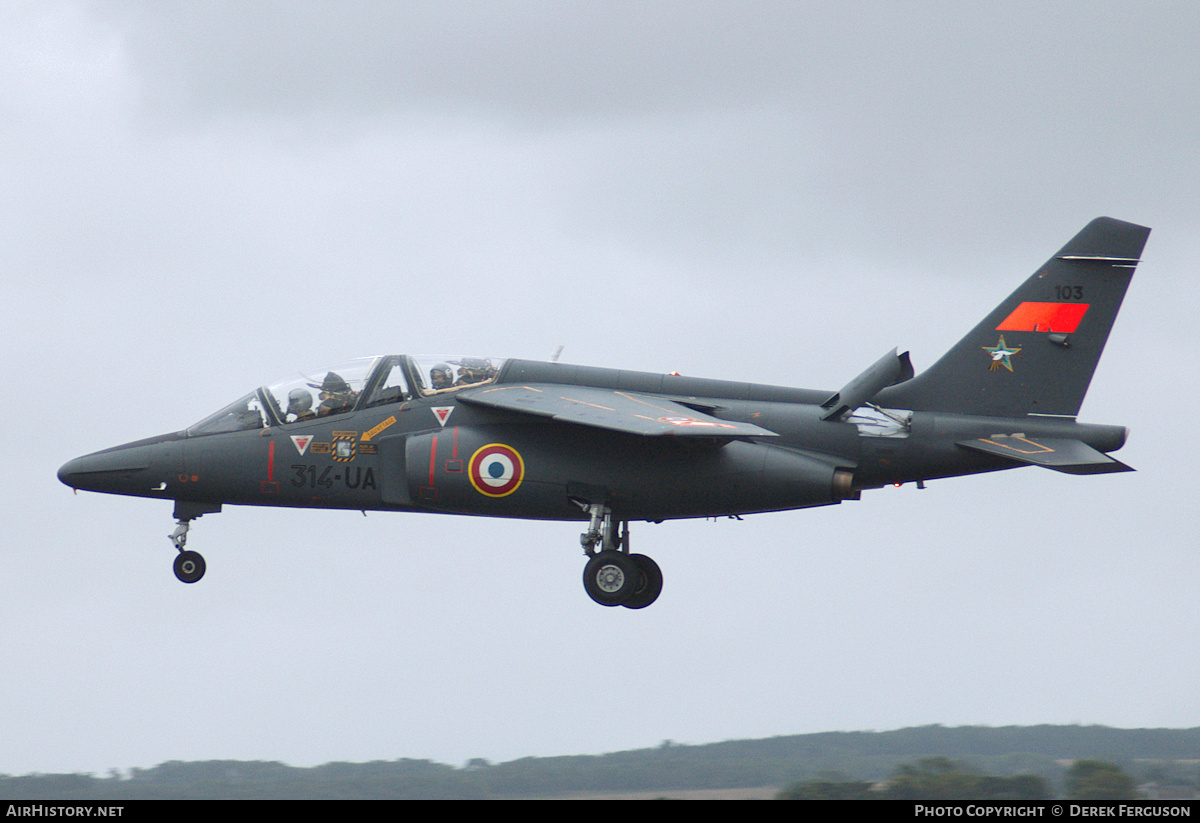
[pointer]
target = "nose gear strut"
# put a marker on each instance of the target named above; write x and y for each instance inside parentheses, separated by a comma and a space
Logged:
(189, 565)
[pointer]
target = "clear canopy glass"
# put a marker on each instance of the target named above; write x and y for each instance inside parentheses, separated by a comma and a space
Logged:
(358, 384)
(322, 393)
(436, 374)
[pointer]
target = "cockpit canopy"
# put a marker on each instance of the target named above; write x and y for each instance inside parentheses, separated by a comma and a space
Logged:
(356, 385)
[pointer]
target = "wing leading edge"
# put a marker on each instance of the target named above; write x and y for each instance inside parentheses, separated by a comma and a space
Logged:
(620, 411)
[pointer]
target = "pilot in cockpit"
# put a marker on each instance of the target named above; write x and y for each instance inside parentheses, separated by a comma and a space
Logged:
(336, 395)
(441, 376)
(299, 406)
(475, 370)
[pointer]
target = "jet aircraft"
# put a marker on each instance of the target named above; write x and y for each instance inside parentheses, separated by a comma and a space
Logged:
(549, 441)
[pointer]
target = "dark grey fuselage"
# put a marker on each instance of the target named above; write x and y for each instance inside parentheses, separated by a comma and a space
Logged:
(550, 441)
(402, 458)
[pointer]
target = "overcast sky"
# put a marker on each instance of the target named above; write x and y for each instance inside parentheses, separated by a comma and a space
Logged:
(200, 198)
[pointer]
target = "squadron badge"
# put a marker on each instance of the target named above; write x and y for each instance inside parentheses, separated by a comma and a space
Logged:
(345, 446)
(1001, 355)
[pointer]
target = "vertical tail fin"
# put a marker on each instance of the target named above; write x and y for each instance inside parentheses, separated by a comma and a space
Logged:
(1036, 352)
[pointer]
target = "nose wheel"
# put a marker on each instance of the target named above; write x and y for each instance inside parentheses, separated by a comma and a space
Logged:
(189, 565)
(613, 576)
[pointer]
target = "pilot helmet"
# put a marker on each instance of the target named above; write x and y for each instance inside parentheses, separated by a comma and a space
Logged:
(476, 370)
(441, 376)
(299, 401)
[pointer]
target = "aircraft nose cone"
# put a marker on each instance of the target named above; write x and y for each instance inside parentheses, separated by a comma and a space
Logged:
(73, 472)
(136, 468)
(79, 472)
(105, 471)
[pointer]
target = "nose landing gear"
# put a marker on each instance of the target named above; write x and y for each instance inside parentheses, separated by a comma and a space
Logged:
(613, 576)
(189, 565)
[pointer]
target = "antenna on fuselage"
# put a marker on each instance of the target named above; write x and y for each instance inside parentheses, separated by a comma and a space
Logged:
(557, 352)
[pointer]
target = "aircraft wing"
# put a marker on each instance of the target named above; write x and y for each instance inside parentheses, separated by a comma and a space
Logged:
(622, 411)
(1059, 453)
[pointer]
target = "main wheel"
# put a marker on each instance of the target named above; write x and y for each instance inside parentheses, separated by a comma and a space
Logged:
(610, 578)
(651, 586)
(189, 566)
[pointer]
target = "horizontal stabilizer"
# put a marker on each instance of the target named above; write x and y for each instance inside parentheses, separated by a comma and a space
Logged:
(889, 370)
(609, 409)
(1059, 453)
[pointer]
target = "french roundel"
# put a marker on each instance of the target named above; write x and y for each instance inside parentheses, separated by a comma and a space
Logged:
(496, 470)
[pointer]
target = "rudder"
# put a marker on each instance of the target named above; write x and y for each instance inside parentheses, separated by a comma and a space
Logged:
(1036, 352)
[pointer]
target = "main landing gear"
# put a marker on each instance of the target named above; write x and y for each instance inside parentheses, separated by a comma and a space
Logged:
(613, 576)
(189, 565)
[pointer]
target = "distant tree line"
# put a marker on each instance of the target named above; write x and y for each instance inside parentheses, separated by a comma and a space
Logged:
(925, 763)
(940, 778)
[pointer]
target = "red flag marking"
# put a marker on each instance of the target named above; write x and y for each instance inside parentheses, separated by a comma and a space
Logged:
(1049, 317)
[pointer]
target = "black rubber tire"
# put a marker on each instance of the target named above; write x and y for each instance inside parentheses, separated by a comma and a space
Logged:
(610, 578)
(189, 566)
(651, 587)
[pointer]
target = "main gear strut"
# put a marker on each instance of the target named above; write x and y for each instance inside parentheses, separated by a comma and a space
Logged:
(613, 576)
